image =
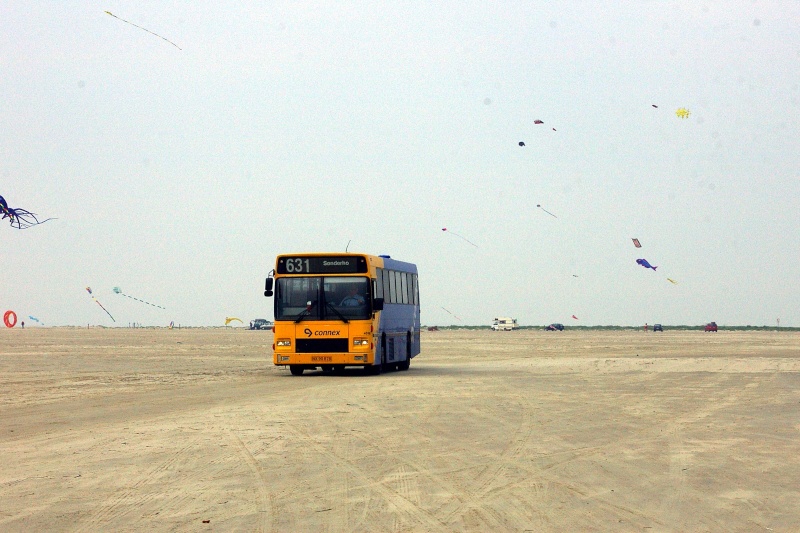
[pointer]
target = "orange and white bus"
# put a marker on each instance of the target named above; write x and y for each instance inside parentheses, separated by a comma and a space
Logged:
(334, 310)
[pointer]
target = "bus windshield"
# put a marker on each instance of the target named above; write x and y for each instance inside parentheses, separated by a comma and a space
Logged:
(322, 298)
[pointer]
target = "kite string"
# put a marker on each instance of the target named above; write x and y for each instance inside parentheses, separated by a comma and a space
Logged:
(452, 313)
(460, 237)
(138, 300)
(145, 29)
(546, 211)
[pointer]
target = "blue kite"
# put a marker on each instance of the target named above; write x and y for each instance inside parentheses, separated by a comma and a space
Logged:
(645, 264)
(19, 218)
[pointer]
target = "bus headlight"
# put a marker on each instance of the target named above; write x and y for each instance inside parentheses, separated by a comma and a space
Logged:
(283, 342)
(360, 342)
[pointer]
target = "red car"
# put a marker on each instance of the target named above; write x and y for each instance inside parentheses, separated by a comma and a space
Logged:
(711, 326)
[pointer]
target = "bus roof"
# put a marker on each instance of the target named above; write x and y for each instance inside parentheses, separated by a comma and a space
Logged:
(379, 261)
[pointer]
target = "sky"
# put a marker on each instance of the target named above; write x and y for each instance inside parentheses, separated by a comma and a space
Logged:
(179, 172)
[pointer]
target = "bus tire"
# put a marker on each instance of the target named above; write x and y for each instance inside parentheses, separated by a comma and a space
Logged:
(338, 369)
(374, 370)
(327, 368)
(296, 370)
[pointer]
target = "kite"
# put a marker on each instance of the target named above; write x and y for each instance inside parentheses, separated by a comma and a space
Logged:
(35, 319)
(117, 290)
(537, 121)
(19, 218)
(229, 319)
(10, 319)
(645, 264)
(452, 313)
(521, 143)
(457, 235)
(573, 316)
(682, 112)
(672, 281)
(654, 105)
(89, 290)
(546, 211)
(636, 243)
(145, 29)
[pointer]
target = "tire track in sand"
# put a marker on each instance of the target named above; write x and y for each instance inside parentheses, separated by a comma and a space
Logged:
(128, 498)
(416, 517)
(266, 509)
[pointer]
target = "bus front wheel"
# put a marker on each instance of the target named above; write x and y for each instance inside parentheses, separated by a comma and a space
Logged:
(296, 370)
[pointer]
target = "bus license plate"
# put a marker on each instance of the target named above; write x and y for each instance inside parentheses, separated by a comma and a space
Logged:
(321, 358)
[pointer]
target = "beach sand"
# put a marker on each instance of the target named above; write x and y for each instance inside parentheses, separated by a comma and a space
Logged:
(581, 430)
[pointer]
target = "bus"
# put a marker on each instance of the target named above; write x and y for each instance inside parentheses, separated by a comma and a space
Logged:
(337, 310)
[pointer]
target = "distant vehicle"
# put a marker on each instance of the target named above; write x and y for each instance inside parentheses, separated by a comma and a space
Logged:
(711, 326)
(555, 327)
(260, 323)
(657, 327)
(504, 323)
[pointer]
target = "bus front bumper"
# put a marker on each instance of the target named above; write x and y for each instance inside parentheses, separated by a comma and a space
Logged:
(317, 359)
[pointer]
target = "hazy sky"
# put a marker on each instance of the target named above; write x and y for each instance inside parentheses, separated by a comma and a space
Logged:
(179, 175)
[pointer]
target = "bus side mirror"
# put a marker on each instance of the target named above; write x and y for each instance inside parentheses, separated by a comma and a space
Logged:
(377, 304)
(268, 287)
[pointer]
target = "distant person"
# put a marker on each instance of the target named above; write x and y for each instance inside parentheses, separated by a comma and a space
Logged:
(23, 324)
(353, 299)
(645, 327)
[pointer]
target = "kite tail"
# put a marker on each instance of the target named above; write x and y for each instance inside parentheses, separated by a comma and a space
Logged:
(106, 310)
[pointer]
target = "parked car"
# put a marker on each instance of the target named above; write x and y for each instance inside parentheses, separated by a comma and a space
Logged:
(657, 327)
(260, 323)
(711, 326)
(555, 327)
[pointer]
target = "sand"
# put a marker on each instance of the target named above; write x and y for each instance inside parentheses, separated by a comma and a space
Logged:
(195, 429)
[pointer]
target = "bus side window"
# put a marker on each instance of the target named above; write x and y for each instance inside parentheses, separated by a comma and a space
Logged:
(404, 287)
(414, 290)
(398, 276)
(379, 284)
(392, 287)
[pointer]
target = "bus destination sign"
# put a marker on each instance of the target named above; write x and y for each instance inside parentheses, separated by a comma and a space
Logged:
(322, 265)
